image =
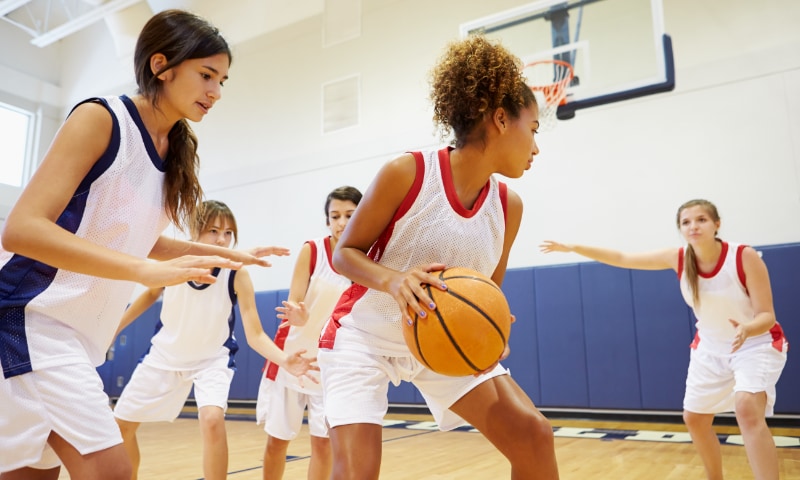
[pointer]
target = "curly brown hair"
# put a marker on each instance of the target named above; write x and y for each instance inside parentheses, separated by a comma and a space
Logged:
(472, 79)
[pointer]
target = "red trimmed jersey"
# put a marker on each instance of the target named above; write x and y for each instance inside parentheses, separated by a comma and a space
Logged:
(430, 226)
(724, 296)
(325, 286)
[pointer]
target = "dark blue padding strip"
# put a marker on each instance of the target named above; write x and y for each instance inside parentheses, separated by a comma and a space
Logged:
(612, 366)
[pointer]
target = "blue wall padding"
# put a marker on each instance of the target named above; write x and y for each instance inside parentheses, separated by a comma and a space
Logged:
(524, 339)
(562, 344)
(783, 262)
(612, 367)
(663, 334)
(587, 336)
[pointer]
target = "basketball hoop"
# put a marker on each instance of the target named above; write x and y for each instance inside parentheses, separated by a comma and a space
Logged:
(550, 79)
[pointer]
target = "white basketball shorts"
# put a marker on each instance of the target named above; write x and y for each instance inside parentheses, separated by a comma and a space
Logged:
(282, 409)
(157, 395)
(713, 379)
(355, 387)
(68, 400)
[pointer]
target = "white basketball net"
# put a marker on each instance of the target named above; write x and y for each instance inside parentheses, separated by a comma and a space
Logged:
(549, 80)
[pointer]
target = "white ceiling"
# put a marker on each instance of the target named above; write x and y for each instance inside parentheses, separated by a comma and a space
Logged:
(48, 21)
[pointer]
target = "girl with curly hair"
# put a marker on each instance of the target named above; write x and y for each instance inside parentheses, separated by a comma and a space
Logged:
(426, 211)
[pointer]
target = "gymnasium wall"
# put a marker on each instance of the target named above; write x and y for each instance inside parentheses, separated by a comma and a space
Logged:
(587, 336)
(612, 176)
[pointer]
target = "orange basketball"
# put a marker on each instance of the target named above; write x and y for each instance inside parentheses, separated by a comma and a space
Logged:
(468, 330)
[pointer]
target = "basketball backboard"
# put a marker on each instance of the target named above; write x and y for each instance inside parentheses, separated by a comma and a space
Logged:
(618, 48)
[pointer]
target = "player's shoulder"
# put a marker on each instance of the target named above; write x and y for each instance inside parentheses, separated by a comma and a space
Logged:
(402, 164)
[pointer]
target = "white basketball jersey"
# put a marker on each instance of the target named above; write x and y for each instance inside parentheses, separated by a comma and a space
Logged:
(54, 317)
(431, 226)
(195, 329)
(325, 286)
(723, 296)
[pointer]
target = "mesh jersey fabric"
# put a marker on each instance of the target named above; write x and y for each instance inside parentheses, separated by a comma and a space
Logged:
(431, 226)
(50, 316)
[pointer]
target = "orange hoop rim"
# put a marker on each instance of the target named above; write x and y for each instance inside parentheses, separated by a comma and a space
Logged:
(554, 93)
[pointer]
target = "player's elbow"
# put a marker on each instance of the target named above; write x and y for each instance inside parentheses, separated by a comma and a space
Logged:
(13, 238)
(338, 259)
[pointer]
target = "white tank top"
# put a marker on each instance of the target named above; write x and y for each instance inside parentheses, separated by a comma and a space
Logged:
(325, 286)
(723, 295)
(51, 317)
(431, 226)
(195, 329)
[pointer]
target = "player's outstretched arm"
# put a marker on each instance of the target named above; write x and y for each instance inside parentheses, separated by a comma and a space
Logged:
(656, 260)
(293, 311)
(258, 340)
(167, 248)
(138, 307)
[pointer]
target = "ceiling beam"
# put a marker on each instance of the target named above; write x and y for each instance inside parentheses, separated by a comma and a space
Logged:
(8, 6)
(81, 22)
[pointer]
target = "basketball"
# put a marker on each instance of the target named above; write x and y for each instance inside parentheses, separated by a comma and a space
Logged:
(468, 330)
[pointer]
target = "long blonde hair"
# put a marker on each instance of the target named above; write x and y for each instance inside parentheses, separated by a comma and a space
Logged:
(690, 263)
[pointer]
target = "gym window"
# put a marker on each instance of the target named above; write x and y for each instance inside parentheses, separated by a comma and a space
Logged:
(16, 126)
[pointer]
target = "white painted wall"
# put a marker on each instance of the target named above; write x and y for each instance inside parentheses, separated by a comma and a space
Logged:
(613, 175)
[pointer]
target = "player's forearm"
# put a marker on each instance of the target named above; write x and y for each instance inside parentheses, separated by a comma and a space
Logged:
(48, 243)
(761, 323)
(355, 265)
(138, 307)
(602, 255)
(265, 347)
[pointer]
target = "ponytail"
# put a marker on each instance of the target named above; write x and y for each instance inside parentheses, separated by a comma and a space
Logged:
(690, 270)
(182, 191)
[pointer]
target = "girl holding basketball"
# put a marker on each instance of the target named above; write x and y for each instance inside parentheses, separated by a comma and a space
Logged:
(283, 398)
(739, 350)
(194, 347)
(119, 170)
(424, 212)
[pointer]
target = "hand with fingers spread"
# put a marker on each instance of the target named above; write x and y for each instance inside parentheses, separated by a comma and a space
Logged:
(295, 314)
(268, 251)
(254, 255)
(550, 246)
(406, 288)
(183, 269)
(300, 366)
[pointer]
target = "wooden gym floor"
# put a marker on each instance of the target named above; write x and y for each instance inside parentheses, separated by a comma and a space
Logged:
(414, 450)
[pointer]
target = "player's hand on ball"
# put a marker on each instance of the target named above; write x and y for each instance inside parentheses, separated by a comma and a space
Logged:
(407, 288)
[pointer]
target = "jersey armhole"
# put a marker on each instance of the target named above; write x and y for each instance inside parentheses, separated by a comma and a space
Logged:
(312, 264)
(503, 188)
(107, 158)
(408, 201)
(740, 267)
(680, 263)
(231, 288)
